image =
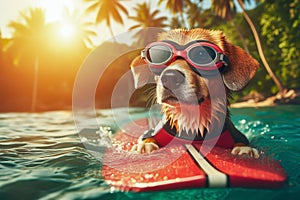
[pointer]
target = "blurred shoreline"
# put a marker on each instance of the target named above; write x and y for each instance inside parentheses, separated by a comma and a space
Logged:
(291, 97)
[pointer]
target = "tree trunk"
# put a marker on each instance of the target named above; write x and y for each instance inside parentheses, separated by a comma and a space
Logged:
(282, 90)
(35, 84)
(112, 33)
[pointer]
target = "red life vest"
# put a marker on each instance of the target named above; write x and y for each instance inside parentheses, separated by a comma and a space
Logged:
(164, 136)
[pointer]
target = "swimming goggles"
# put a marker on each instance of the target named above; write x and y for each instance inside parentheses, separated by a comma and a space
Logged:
(203, 57)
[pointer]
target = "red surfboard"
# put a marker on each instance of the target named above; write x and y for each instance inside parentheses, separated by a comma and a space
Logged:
(183, 166)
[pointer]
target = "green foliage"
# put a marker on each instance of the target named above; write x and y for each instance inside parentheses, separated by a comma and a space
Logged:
(280, 26)
(276, 22)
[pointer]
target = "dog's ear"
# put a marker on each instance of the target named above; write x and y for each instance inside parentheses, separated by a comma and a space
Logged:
(242, 67)
(141, 72)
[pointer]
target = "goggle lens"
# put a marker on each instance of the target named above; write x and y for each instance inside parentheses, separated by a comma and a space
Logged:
(158, 54)
(202, 55)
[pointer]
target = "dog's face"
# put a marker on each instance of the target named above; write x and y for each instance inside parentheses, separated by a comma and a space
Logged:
(185, 94)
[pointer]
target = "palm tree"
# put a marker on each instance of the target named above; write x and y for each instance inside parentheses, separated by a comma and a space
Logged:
(177, 8)
(28, 37)
(83, 30)
(282, 90)
(146, 19)
(175, 23)
(226, 10)
(194, 15)
(107, 10)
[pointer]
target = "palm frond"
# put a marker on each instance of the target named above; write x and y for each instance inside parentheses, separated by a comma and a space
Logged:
(92, 8)
(134, 27)
(123, 9)
(116, 16)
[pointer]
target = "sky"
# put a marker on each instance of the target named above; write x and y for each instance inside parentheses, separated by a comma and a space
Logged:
(10, 11)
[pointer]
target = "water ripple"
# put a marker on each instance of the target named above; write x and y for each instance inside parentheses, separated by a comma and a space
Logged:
(43, 157)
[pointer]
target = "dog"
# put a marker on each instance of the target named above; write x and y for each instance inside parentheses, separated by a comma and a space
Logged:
(194, 71)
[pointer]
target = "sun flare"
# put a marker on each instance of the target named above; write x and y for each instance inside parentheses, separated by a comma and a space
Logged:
(58, 11)
(67, 30)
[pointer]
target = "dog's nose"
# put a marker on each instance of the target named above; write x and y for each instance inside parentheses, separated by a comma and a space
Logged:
(172, 79)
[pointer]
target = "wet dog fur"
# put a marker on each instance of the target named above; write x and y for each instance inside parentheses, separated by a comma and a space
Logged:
(200, 103)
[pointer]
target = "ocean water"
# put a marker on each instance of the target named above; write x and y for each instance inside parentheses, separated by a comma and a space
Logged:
(43, 157)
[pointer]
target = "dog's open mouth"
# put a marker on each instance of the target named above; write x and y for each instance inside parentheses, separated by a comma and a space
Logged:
(170, 99)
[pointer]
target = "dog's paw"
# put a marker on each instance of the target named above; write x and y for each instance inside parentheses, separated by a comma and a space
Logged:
(240, 150)
(144, 147)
